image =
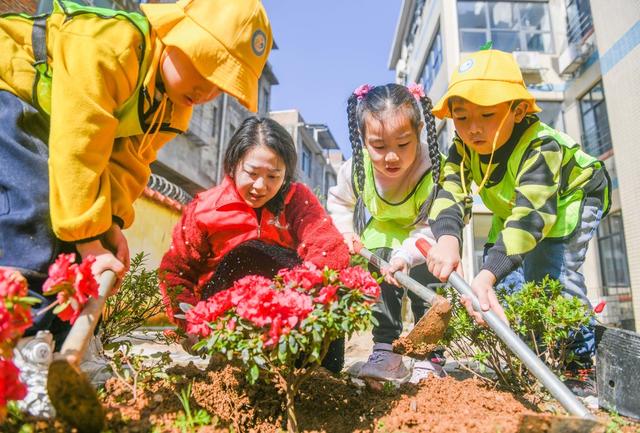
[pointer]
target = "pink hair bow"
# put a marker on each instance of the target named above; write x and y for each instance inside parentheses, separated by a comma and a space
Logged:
(417, 90)
(362, 91)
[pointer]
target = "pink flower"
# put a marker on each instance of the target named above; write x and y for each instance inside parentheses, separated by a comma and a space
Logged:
(357, 278)
(417, 90)
(327, 294)
(10, 386)
(12, 284)
(361, 91)
(306, 276)
(73, 284)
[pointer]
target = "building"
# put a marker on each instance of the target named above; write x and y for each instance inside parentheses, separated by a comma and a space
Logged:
(582, 71)
(316, 149)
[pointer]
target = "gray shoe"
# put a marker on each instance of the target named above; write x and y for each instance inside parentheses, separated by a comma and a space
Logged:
(384, 364)
(33, 355)
(94, 364)
(424, 369)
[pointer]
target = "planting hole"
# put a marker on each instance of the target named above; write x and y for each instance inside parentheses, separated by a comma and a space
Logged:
(612, 383)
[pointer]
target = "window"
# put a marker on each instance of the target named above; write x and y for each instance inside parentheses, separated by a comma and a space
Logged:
(214, 122)
(596, 137)
(263, 105)
(579, 21)
(613, 255)
(511, 26)
(306, 161)
(433, 62)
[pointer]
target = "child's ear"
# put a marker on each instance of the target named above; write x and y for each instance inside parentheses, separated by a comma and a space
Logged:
(521, 111)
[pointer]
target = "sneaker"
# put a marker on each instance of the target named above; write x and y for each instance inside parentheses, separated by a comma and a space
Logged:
(33, 355)
(437, 357)
(94, 364)
(424, 369)
(582, 382)
(384, 364)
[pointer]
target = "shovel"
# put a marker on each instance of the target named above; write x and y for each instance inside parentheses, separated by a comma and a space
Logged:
(424, 336)
(582, 420)
(69, 389)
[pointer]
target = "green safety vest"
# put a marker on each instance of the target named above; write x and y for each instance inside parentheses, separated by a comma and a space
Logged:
(390, 223)
(129, 121)
(574, 182)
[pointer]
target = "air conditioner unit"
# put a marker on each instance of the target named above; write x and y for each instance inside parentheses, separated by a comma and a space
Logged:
(573, 57)
(528, 60)
(530, 63)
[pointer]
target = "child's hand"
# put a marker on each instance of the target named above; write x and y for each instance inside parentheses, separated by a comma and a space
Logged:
(396, 264)
(444, 258)
(353, 242)
(105, 260)
(482, 286)
(115, 241)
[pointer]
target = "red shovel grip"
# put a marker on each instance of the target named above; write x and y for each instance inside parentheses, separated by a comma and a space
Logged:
(423, 246)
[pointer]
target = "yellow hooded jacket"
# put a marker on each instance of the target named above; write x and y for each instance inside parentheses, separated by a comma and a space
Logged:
(95, 172)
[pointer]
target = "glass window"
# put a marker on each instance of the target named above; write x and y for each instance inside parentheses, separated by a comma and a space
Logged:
(579, 20)
(433, 62)
(306, 160)
(510, 25)
(596, 136)
(613, 255)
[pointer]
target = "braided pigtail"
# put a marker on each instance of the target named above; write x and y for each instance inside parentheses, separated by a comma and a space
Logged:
(357, 163)
(434, 156)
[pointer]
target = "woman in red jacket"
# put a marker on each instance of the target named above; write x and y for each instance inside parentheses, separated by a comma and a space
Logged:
(257, 221)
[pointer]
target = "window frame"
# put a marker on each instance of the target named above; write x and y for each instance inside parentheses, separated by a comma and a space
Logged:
(601, 129)
(606, 238)
(524, 33)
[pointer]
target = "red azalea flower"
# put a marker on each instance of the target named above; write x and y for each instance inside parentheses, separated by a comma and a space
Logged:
(306, 276)
(327, 294)
(13, 322)
(72, 283)
(357, 278)
(10, 386)
(12, 284)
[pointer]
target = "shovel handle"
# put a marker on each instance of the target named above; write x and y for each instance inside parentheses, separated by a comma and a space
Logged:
(76, 342)
(539, 369)
(405, 280)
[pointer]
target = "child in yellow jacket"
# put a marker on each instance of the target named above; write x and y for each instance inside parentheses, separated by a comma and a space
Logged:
(87, 98)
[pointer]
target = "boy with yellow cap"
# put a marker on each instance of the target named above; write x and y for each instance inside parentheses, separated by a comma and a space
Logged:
(547, 196)
(87, 98)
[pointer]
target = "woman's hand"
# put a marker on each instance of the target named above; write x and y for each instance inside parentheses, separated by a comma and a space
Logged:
(444, 258)
(396, 264)
(482, 286)
(353, 242)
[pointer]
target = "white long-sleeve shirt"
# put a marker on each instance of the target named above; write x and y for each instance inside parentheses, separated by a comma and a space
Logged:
(341, 202)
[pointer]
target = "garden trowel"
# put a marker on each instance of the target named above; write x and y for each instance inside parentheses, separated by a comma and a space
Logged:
(581, 421)
(70, 390)
(430, 329)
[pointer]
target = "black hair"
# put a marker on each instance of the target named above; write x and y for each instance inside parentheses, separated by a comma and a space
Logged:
(378, 100)
(257, 131)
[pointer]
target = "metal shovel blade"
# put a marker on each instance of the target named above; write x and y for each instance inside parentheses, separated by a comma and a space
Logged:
(547, 423)
(430, 329)
(425, 335)
(74, 397)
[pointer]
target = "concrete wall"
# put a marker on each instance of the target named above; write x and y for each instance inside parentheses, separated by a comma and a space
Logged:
(618, 34)
(151, 231)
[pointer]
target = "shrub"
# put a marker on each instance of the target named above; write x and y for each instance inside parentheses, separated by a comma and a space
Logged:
(281, 328)
(539, 314)
(137, 300)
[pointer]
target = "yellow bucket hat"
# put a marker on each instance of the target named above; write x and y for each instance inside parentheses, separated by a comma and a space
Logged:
(228, 41)
(486, 77)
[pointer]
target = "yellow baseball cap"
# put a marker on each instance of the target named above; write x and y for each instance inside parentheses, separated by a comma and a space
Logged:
(486, 77)
(228, 41)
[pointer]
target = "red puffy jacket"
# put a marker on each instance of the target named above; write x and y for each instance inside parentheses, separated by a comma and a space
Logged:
(218, 220)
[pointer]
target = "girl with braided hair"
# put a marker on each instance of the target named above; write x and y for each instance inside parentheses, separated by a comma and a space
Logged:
(381, 200)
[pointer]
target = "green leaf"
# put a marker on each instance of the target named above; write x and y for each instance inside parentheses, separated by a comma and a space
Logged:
(254, 372)
(61, 307)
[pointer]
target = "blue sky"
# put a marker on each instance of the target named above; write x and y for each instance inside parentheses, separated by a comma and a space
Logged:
(327, 48)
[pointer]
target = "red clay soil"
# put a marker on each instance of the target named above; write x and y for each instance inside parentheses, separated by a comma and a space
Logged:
(325, 404)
